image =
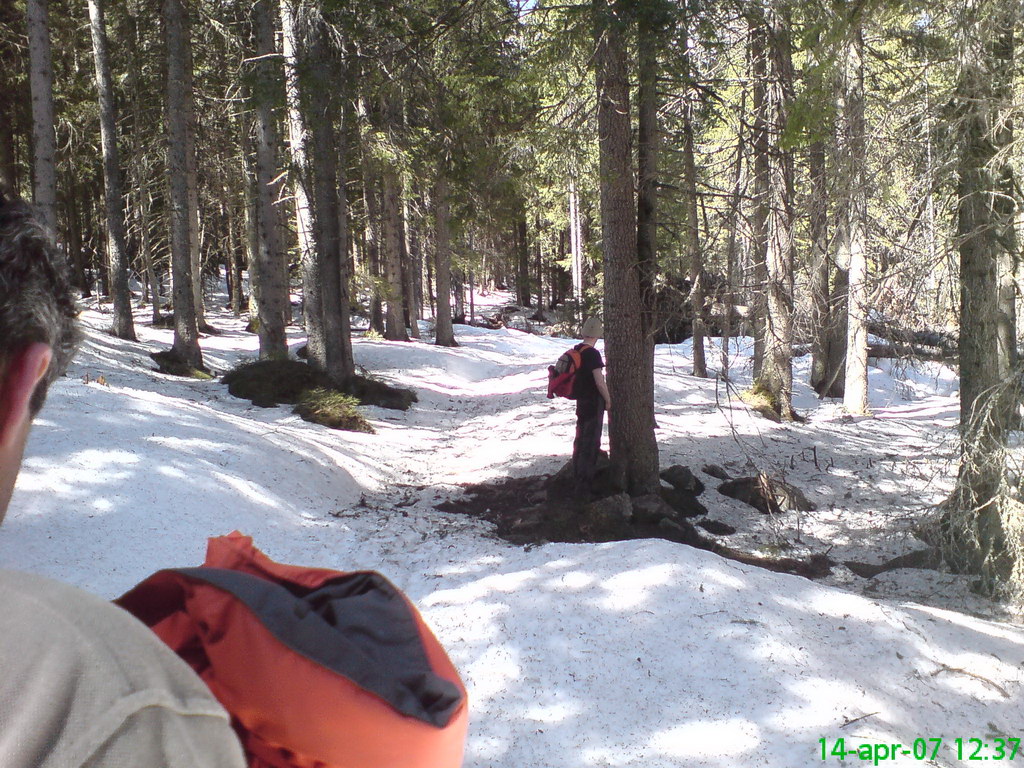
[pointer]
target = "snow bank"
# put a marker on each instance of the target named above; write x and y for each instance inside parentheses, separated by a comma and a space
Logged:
(641, 653)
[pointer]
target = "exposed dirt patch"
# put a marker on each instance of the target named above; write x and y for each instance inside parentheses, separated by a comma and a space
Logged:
(268, 383)
(539, 509)
(170, 362)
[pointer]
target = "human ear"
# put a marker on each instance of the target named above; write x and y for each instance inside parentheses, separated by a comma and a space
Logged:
(18, 380)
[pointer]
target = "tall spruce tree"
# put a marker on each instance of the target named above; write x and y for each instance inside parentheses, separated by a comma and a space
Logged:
(117, 246)
(634, 450)
(177, 38)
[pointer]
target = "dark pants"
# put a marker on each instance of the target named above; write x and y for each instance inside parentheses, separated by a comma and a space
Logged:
(584, 453)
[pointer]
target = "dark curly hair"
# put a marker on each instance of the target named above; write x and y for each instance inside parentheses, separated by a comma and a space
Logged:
(36, 303)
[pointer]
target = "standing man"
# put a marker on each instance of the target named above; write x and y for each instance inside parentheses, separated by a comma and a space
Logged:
(84, 684)
(592, 399)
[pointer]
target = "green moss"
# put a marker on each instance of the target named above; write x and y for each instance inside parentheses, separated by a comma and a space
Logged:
(332, 409)
(762, 401)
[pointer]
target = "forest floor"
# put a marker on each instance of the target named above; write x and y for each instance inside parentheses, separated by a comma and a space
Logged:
(631, 653)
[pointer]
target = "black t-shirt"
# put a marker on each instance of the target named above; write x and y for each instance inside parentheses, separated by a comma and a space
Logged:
(588, 399)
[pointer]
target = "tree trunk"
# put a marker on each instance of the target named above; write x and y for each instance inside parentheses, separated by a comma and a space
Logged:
(731, 250)
(44, 139)
(431, 295)
(146, 245)
(576, 246)
(251, 194)
(459, 291)
(634, 450)
(394, 317)
(271, 284)
(179, 99)
(538, 261)
(124, 327)
(820, 265)
(394, 320)
(522, 245)
(775, 378)
(691, 226)
(976, 531)
(854, 224)
(761, 146)
(315, 240)
(140, 184)
(647, 182)
(340, 359)
(374, 224)
(194, 237)
(234, 261)
(834, 385)
(410, 271)
(10, 103)
(445, 334)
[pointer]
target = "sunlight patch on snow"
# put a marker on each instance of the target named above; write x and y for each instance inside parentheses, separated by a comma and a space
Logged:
(704, 738)
(485, 622)
(499, 582)
(631, 589)
(815, 703)
(492, 672)
(172, 472)
(845, 606)
(561, 564)
(471, 566)
(572, 581)
(972, 623)
(250, 491)
(189, 444)
(488, 747)
(553, 713)
(724, 579)
(102, 505)
(774, 650)
(91, 466)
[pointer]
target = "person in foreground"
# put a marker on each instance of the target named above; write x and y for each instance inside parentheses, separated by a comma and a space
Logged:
(82, 683)
(592, 399)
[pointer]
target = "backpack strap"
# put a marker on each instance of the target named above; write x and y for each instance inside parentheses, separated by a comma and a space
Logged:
(577, 354)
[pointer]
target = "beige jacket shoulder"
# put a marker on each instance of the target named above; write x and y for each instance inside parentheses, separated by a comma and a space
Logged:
(83, 684)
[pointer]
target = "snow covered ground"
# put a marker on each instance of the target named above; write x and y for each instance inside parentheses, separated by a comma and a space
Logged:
(640, 653)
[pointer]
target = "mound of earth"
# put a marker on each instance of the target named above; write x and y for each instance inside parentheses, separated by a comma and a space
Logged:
(268, 383)
(170, 362)
(538, 509)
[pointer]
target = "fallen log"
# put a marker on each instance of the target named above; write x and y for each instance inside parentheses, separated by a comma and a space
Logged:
(915, 351)
(925, 559)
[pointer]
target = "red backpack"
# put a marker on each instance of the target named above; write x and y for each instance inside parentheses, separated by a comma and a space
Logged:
(562, 375)
(317, 668)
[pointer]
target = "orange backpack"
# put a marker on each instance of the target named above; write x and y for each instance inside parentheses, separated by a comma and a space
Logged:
(317, 668)
(562, 375)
